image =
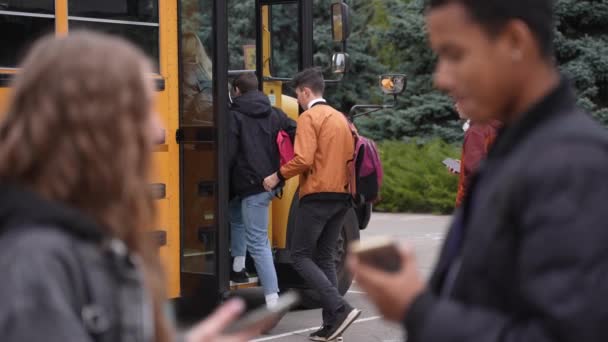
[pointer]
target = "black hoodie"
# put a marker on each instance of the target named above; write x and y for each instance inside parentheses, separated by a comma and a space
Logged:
(254, 154)
(63, 279)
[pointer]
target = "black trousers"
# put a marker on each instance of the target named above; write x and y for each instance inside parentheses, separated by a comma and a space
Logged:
(313, 250)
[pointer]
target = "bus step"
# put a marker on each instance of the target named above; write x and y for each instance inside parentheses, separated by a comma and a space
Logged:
(253, 282)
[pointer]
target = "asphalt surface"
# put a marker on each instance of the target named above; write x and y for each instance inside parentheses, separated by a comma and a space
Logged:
(423, 232)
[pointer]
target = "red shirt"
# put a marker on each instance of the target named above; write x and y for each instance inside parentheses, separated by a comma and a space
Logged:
(477, 141)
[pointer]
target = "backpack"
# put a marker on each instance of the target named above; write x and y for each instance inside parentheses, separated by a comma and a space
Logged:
(365, 169)
(285, 146)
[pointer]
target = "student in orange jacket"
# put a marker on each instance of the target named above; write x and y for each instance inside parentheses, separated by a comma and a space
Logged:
(324, 145)
(478, 138)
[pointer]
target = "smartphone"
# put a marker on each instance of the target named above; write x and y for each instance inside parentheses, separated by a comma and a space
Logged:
(381, 252)
(452, 164)
(264, 317)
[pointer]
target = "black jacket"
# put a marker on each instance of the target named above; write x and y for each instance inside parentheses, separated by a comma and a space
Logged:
(62, 279)
(253, 151)
(533, 262)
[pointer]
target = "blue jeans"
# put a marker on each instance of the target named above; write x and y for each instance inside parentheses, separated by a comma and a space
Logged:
(249, 231)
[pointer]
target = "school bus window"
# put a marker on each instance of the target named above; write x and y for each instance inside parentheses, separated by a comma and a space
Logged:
(285, 40)
(21, 23)
(136, 21)
(199, 175)
(144, 37)
(241, 37)
(31, 6)
(127, 10)
(196, 83)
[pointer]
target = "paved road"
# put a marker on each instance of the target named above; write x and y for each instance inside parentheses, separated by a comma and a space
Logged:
(424, 232)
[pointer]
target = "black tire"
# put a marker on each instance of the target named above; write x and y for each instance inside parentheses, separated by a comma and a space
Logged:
(350, 232)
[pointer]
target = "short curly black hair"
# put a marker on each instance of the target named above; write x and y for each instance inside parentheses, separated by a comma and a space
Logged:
(492, 15)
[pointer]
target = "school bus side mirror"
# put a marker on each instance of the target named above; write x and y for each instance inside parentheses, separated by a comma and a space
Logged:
(390, 84)
(340, 21)
(340, 63)
(393, 84)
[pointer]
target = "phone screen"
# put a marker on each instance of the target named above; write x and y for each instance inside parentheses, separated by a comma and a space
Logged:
(386, 258)
(381, 253)
(452, 164)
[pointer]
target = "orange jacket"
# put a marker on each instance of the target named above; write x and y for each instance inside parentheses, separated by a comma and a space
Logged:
(323, 147)
(477, 142)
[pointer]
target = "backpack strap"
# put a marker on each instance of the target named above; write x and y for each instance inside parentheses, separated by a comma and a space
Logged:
(351, 163)
(94, 316)
(130, 318)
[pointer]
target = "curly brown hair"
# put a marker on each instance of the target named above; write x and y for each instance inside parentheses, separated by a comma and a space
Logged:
(79, 130)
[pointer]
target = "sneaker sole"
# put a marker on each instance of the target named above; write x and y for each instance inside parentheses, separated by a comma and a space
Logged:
(352, 316)
(317, 337)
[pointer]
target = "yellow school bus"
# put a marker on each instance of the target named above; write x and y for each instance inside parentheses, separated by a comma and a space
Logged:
(188, 42)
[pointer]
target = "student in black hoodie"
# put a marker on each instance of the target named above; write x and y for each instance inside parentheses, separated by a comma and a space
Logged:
(75, 205)
(254, 125)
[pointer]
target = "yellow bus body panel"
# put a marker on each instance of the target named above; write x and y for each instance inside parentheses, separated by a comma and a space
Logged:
(166, 166)
(280, 207)
(166, 156)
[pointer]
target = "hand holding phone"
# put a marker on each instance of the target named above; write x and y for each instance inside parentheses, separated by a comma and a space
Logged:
(379, 252)
(265, 317)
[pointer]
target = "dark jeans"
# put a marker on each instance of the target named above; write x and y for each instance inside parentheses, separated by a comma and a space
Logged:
(313, 250)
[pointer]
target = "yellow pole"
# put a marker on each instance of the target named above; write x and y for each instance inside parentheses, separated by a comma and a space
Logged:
(61, 17)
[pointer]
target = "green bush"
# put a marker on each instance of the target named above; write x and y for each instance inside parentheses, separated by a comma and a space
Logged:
(415, 180)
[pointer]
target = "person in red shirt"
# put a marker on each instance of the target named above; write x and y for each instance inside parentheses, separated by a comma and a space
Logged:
(478, 138)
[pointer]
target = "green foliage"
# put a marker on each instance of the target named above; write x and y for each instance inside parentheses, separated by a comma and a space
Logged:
(415, 179)
(360, 85)
(421, 111)
(390, 36)
(401, 45)
(241, 30)
(582, 51)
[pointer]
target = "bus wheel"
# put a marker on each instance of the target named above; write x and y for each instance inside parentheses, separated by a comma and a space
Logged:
(350, 232)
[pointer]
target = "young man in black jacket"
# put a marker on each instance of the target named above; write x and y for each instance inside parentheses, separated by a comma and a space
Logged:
(526, 256)
(254, 125)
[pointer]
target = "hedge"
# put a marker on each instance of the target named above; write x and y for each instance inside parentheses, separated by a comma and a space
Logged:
(415, 180)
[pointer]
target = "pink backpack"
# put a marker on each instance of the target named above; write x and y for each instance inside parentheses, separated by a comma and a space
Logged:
(366, 169)
(285, 145)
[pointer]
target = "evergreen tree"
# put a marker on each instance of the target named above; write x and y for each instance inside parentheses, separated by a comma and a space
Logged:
(421, 111)
(360, 84)
(390, 36)
(582, 51)
(241, 30)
